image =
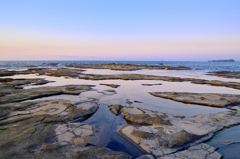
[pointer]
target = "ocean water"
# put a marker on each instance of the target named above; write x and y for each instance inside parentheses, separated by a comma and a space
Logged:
(208, 66)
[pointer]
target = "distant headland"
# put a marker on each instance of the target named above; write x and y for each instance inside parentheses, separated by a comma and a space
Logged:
(230, 60)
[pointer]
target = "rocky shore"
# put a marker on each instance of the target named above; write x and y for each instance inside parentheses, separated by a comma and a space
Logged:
(75, 73)
(12, 90)
(226, 74)
(127, 67)
(207, 99)
(43, 71)
(165, 135)
(55, 128)
(48, 128)
(234, 85)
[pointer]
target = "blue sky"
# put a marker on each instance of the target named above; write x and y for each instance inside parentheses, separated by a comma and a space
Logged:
(136, 29)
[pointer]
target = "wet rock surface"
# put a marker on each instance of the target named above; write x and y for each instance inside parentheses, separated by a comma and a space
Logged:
(111, 85)
(75, 73)
(145, 84)
(226, 74)
(54, 128)
(48, 128)
(45, 128)
(234, 85)
(201, 151)
(12, 90)
(128, 67)
(19, 83)
(52, 111)
(208, 99)
(139, 116)
(99, 153)
(173, 133)
(44, 71)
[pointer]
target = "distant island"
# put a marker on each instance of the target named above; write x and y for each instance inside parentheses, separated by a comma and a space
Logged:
(230, 60)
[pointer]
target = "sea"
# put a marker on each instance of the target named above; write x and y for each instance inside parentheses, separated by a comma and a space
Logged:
(194, 65)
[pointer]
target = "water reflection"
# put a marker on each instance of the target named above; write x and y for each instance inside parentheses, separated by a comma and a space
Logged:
(228, 142)
(135, 91)
(132, 91)
(109, 138)
(200, 74)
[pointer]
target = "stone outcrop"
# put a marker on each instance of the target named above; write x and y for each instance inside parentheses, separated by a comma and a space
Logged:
(76, 133)
(10, 83)
(145, 84)
(46, 141)
(201, 151)
(44, 71)
(128, 67)
(226, 74)
(207, 99)
(111, 85)
(52, 111)
(172, 133)
(234, 85)
(139, 116)
(80, 75)
(99, 153)
(13, 91)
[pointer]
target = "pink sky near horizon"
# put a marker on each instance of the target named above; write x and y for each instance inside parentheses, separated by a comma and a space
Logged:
(24, 46)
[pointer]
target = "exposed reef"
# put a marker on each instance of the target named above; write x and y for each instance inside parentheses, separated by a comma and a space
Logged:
(173, 133)
(43, 128)
(55, 128)
(137, 116)
(201, 151)
(9, 83)
(16, 95)
(226, 74)
(234, 85)
(157, 84)
(52, 111)
(111, 85)
(99, 153)
(47, 128)
(12, 90)
(75, 73)
(127, 67)
(44, 71)
(33, 140)
(208, 99)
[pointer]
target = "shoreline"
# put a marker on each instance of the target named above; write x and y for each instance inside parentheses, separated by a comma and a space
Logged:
(75, 111)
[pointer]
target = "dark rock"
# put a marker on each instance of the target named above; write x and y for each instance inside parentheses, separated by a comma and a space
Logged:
(99, 153)
(151, 84)
(111, 85)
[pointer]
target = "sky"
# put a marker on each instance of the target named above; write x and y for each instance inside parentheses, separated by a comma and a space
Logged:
(120, 30)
